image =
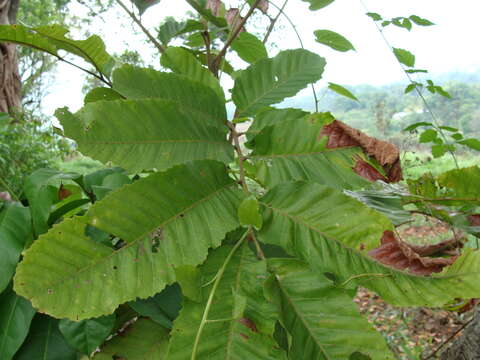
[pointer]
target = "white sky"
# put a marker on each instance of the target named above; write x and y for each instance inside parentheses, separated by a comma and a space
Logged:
(450, 45)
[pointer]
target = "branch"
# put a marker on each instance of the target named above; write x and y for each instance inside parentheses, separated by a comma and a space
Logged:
(273, 22)
(234, 35)
(143, 28)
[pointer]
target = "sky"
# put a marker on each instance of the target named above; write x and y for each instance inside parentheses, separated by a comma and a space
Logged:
(451, 45)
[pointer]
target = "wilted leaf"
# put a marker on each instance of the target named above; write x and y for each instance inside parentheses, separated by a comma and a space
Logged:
(387, 154)
(234, 19)
(214, 6)
(400, 255)
(143, 5)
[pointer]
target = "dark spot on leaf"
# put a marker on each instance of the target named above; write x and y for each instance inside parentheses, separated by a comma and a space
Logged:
(115, 267)
(248, 323)
(244, 336)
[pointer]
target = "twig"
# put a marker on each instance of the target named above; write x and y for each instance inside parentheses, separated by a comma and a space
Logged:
(419, 93)
(218, 277)
(144, 29)
(260, 253)
(273, 22)
(234, 35)
(448, 340)
(301, 44)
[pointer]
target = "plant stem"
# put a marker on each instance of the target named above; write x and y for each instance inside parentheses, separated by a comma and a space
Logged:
(234, 35)
(241, 159)
(301, 44)
(218, 278)
(143, 28)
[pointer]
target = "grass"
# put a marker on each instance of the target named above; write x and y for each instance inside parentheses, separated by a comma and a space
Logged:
(416, 164)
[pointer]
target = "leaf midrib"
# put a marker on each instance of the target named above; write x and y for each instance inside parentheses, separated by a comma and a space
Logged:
(135, 242)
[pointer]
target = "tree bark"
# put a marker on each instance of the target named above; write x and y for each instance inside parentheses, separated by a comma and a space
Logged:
(10, 83)
(467, 346)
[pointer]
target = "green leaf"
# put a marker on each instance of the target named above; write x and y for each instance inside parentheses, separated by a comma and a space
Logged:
(246, 320)
(318, 225)
(420, 21)
(45, 342)
(101, 93)
(162, 308)
(339, 89)
(323, 321)
(417, 125)
(144, 339)
(448, 128)
(318, 4)
(193, 97)
(410, 88)
(249, 47)
(374, 16)
(172, 28)
(91, 50)
(403, 23)
(428, 135)
(271, 116)
(87, 335)
(143, 5)
(249, 213)
(199, 6)
(182, 62)
(269, 81)
(41, 196)
(473, 144)
(439, 150)
(295, 150)
(15, 318)
(66, 273)
(405, 57)
(333, 40)
(144, 134)
(440, 90)
(15, 233)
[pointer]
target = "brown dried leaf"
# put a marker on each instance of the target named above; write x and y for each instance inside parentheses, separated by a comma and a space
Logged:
(263, 6)
(214, 6)
(400, 255)
(387, 154)
(474, 219)
(234, 19)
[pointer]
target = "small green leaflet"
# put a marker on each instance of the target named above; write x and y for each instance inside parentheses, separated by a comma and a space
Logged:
(339, 89)
(471, 143)
(333, 40)
(416, 125)
(428, 136)
(421, 21)
(374, 16)
(249, 213)
(405, 57)
(318, 4)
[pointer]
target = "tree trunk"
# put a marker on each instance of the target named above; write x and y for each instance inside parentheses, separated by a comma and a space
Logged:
(467, 346)
(10, 84)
